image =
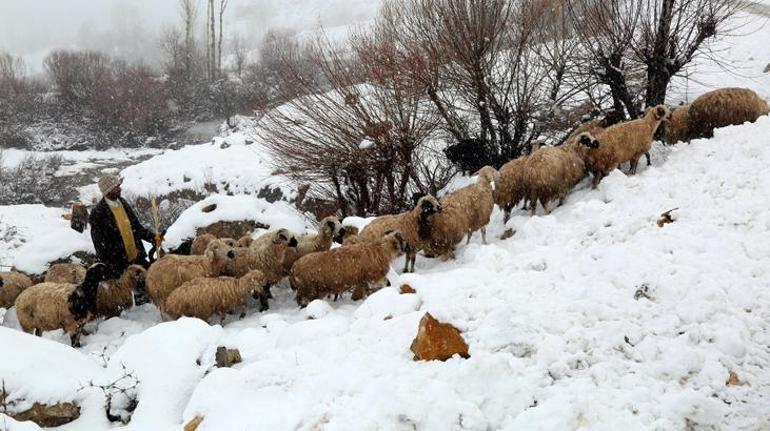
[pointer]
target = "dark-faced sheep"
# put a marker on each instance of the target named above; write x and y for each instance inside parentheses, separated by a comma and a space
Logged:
(329, 230)
(12, 283)
(352, 267)
(724, 107)
(268, 253)
(624, 142)
(171, 271)
(204, 297)
(415, 226)
(49, 306)
(469, 155)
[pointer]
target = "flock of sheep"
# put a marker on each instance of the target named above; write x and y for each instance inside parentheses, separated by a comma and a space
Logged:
(223, 275)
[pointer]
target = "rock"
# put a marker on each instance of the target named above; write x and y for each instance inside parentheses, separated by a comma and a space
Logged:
(227, 357)
(405, 288)
(733, 379)
(209, 208)
(193, 424)
(666, 218)
(49, 416)
(767, 68)
(79, 217)
(231, 229)
(507, 234)
(436, 340)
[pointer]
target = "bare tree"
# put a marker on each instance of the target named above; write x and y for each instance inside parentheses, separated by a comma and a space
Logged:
(240, 55)
(222, 7)
(189, 12)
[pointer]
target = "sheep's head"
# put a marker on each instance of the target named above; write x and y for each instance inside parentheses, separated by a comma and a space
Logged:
(135, 273)
(428, 205)
(331, 228)
(397, 241)
(219, 251)
(285, 236)
(488, 173)
(230, 242)
(587, 140)
(82, 301)
(245, 241)
(348, 232)
(658, 113)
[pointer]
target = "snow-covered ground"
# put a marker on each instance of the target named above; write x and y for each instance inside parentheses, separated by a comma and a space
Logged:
(558, 337)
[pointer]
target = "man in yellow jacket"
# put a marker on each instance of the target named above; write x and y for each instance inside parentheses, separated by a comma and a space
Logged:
(117, 233)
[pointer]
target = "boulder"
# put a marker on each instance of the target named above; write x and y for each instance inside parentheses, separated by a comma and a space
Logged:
(227, 357)
(49, 416)
(436, 340)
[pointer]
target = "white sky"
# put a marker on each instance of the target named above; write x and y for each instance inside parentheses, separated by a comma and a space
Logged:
(131, 28)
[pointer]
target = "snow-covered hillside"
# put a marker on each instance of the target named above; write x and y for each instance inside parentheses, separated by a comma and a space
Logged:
(592, 317)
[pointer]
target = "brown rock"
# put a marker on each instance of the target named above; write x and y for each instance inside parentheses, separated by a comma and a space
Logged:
(227, 357)
(666, 218)
(193, 424)
(49, 416)
(767, 68)
(733, 379)
(231, 229)
(507, 234)
(436, 340)
(405, 288)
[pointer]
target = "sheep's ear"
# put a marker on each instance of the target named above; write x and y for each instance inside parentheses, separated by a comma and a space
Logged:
(331, 225)
(660, 111)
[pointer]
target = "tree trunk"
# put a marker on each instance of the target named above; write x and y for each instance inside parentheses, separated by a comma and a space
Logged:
(222, 7)
(212, 42)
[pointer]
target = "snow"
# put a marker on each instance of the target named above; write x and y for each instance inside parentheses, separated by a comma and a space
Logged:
(366, 144)
(234, 164)
(557, 338)
(34, 235)
(234, 208)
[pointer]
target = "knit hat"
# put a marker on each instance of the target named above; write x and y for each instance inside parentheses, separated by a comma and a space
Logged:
(108, 182)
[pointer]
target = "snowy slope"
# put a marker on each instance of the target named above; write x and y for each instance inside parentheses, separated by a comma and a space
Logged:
(557, 339)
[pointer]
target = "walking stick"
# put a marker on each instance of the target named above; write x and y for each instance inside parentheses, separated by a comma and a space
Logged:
(156, 222)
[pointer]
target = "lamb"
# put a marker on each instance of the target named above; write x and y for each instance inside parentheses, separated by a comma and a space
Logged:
(204, 297)
(171, 271)
(551, 172)
(329, 229)
(268, 253)
(465, 211)
(65, 273)
(415, 227)
(624, 142)
(678, 126)
(202, 241)
(509, 186)
(12, 283)
(354, 266)
(114, 296)
(49, 306)
(724, 107)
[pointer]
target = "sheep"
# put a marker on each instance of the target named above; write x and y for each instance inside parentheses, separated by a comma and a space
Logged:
(49, 306)
(268, 253)
(12, 283)
(465, 211)
(329, 229)
(203, 297)
(414, 225)
(171, 271)
(724, 107)
(349, 234)
(509, 186)
(551, 172)
(468, 154)
(678, 126)
(202, 241)
(114, 296)
(596, 125)
(65, 273)
(354, 266)
(624, 142)
(244, 241)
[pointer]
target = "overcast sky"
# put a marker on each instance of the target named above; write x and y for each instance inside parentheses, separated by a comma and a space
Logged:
(131, 28)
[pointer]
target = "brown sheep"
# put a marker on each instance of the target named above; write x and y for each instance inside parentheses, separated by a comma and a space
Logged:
(171, 271)
(268, 253)
(329, 230)
(415, 226)
(49, 306)
(678, 126)
(65, 273)
(114, 296)
(335, 271)
(624, 142)
(204, 297)
(509, 187)
(12, 283)
(203, 240)
(349, 234)
(724, 107)
(244, 241)
(448, 228)
(551, 172)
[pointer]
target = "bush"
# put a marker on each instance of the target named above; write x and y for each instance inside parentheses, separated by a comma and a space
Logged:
(33, 180)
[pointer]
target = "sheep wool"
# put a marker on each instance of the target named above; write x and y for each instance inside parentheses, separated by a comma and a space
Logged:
(509, 186)
(204, 297)
(724, 107)
(203, 240)
(12, 283)
(171, 271)
(678, 126)
(65, 273)
(268, 253)
(114, 296)
(328, 229)
(356, 266)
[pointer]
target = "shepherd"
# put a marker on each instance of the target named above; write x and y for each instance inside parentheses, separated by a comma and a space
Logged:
(117, 233)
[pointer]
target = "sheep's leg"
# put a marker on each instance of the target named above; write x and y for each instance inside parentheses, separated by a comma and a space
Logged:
(533, 207)
(507, 213)
(647, 156)
(596, 179)
(243, 313)
(406, 262)
(263, 305)
(484, 234)
(37, 332)
(268, 293)
(634, 163)
(545, 206)
(468, 240)
(75, 339)
(336, 295)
